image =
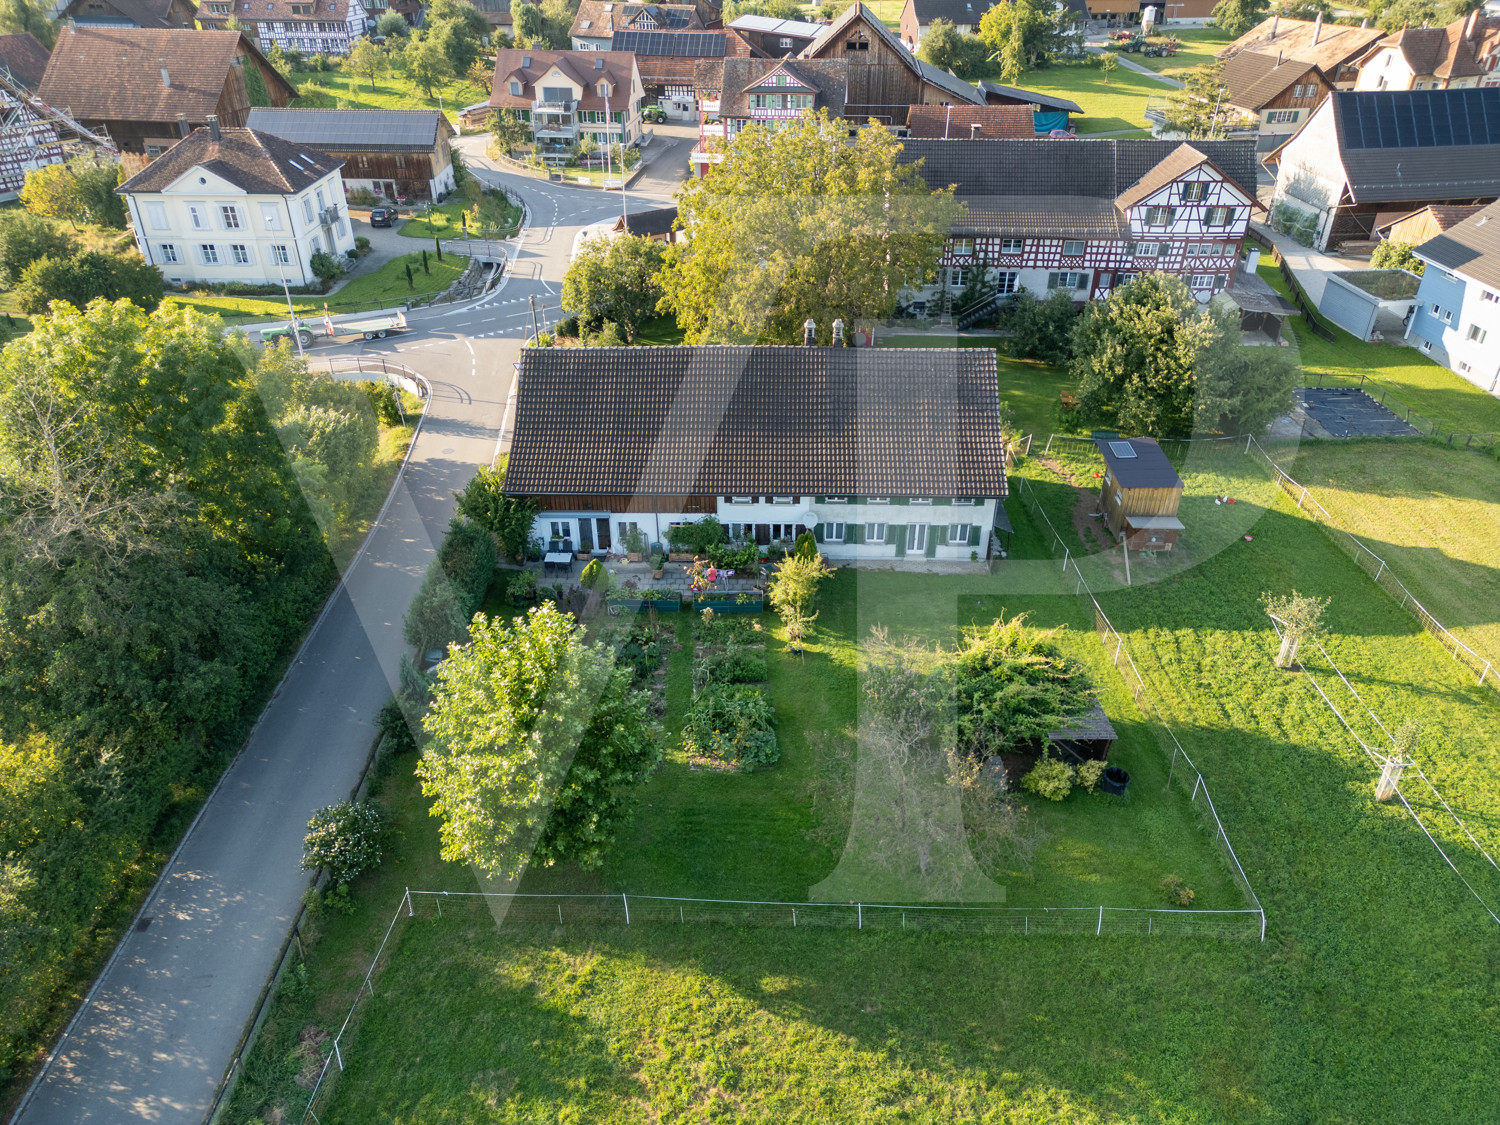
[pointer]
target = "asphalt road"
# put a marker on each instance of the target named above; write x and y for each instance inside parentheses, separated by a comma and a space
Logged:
(159, 1029)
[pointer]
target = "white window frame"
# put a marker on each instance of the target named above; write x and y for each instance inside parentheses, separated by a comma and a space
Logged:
(229, 217)
(920, 500)
(833, 533)
(168, 252)
(783, 499)
(562, 529)
(198, 216)
(1489, 295)
(241, 254)
(1160, 216)
(1007, 282)
(877, 499)
(1083, 248)
(835, 499)
(916, 537)
(281, 254)
(208, 254)
(875, 533)
(1194, 191)
(1477, 334)
(963, 247)
(1223, 212)
(1012, 246)
(742, 499)
(958, 534)
(307, 209)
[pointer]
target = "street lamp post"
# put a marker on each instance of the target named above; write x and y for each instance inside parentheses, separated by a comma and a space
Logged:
(290, 312)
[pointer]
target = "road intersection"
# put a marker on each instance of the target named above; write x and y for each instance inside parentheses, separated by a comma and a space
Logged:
(160, 1027)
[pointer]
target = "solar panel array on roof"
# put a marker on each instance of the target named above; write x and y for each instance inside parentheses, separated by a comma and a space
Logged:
(1420, 118)
(673, 44)
(1122, 449)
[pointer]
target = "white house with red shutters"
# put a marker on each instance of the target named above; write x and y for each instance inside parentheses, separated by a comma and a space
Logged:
(1086, 216)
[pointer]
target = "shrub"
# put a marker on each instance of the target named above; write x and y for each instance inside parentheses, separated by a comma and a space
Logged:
(324, 266)
(390, 720)
(344, 839)
(725, 557)
(806, 546)
(507, 518)
(383, 401)
(732, 666)
(435, 618)
(733, 724)
(635, 541)
(1051, 778)
(1176, 891)
(594, 576)
(544, 339)
(81, 278)
(1088, 774)
(567, 326)
(361, 245)
(697, 537)
(467, 558)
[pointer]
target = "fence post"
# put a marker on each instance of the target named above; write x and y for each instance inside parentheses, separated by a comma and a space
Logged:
(1065, 558)
(1198, 781)
(860, 908)
(1098, 932)
(1301, 498)
(626, 901)
(408, 902)
(1049, 443)
(1485, 671)
(1380, 570)
(339, 1055)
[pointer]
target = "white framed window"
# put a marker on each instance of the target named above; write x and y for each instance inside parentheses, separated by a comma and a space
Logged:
(835, 499)
(1477, 334)
(958, 533)
(307, 208)
(1072, 281)
(1007, 282)
(742, 499)
(1427, 345)
(168, 252)
(270, 216)
(1447, 316)
(877, 500)
(964, 247)
(515, 88)
(833, 533)
(280, 254)
(562, 529)
(1012, 246)
(1490, 296)
(916, 537)
(921, 500)
(317, 245)
(240, 253)
(960, 502)
(1160, 216)
(1193, 191)
(874, 533)
(958, 278)
(1073, 247)
(322, 202)
(783, 499)
(229, 216)
(1221, 216)
(209, 254)
(1203, 281)
(198, 215)
(1281, 117)
(1191, 250)
(157, 214)
(1150, 249)
(1463, 367)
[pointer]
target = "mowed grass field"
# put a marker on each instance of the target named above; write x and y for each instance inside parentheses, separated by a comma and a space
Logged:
(1371, 1000)
(1432, 513)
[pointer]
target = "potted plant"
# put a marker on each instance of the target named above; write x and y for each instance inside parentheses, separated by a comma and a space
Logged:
(658, 562)
(523, 587)
(635, 544)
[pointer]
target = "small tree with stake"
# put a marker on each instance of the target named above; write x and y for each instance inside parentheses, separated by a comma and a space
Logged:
(409, 283)
(425, 267)
(1300, 617)
(1399, 758)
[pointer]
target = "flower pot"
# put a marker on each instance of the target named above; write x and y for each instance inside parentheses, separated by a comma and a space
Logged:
(656, 574)
(1114, 780)
(680, 556)
(634, 556)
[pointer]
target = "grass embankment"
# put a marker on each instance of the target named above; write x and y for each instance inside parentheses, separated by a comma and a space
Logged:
(382, 288)
(498, 217)
(338, 89)
(1371, 999)
(1428, 388)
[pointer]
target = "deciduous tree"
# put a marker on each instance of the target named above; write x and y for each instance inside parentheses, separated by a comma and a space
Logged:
(1200, 109)
(81, 191)
(369, 59)
(798, 223)
(1387, 256)
(426, 62)
(86, 276)
(614, 280)
(945, 47)
(534, 735)
(24, 238)
(1023, 35)
(1238, 16)
(529, 26)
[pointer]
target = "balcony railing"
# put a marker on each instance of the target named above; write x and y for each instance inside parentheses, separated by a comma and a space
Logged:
(544, 106)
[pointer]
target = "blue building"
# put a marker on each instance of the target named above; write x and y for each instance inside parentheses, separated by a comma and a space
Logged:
(1457, 320)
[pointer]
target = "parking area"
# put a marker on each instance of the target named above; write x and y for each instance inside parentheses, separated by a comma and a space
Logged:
(1344, 412)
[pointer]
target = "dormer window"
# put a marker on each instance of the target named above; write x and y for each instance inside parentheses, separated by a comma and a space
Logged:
(515, 88)
(604, 89)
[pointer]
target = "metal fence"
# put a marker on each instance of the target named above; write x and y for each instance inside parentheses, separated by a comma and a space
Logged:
(1181, 768)
(1373, 565)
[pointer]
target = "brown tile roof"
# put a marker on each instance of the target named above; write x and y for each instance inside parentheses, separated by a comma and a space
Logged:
(256, 162)
(1445, 52)
(114, 74)
(527, 66)
(1253, 79)
(1442, 215)
(1472, 247)
(716, 420)
(732, 79)
(1182, 160)
(24, 57)
(144, 13)
(1337, 44)
(957, 122)
(600, 19)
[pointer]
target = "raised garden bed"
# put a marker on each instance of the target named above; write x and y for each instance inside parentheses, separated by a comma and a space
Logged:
(665, 601)
(740, 603)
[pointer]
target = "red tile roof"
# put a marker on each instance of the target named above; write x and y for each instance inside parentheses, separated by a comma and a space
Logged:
(956, 122)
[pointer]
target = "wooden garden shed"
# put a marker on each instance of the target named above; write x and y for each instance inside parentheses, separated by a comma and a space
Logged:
(1089, 735)
(1141, 493)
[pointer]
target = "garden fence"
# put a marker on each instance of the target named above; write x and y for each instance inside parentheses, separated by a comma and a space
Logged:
(657, 910)
(1373, 565)
(1181, 768)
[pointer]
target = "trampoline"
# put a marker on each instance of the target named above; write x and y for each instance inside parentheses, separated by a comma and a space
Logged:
(1345, 412)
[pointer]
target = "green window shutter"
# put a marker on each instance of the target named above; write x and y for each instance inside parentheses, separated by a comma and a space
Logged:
(940, 534)
(818, 532)
(819, 499)
(896, 533)
(942, 499)
(973, 535)
(900, 500)
(854, 533)
(931, 543)
(856, 500)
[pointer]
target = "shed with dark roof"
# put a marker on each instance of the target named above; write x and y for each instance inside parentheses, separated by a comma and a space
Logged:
(389, 153)
(657, 223)
(1140, 493)
(1084, 737)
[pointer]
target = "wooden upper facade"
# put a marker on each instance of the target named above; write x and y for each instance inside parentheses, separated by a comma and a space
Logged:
(1140, 493)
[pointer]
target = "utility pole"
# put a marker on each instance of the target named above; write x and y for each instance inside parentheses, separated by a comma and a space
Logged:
(534, 331)
(290, 312)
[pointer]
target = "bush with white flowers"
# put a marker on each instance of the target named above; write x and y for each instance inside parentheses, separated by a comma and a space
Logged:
(345, 839)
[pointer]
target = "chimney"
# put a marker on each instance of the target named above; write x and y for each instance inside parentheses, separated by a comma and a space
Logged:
(1275, 23)
(809, 331)
(182, 125)
(1317, 30)
(974, 128)
(166, 79)
(838, 333)
(213, 127)
(1469, 27)
(1279, 53)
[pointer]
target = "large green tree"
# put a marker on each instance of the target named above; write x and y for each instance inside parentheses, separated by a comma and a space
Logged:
(1200, 110)
(24, 238)
(945, 47)
(460, 28)
(83, 277)
(529, 26)
(19, 16)
(615, 280)
(1238, 16)
(426, 62)
(802, 222)
(535, 734)
(1024, 34)
(81, 191)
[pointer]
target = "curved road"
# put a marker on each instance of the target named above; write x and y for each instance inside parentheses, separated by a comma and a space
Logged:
(159, 1028)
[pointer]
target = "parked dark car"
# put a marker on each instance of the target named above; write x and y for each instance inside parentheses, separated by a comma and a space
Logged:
(381, 216)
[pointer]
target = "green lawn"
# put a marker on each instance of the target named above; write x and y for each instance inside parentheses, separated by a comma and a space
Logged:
(1432, 513)
(1031, 388)
(334, 89)
(1108, 106)
(1196, 46)
(383, 288)
(1428, 388)
(496, 216)
(1371, 1000)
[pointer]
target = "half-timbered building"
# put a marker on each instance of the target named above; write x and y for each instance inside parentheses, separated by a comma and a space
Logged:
(28, 140)
(668, 63)
(884, 454)
(390, 153)
(149, 87)
(734, 93)
(322, 27)
(1086, 216)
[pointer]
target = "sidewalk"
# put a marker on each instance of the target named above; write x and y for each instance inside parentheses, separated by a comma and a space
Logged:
(1310, 267)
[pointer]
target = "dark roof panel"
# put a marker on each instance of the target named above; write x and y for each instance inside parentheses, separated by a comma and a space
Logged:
(353, 130)
(1402, 145)
(715, 420)
(674, 44)
(1149, 468)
